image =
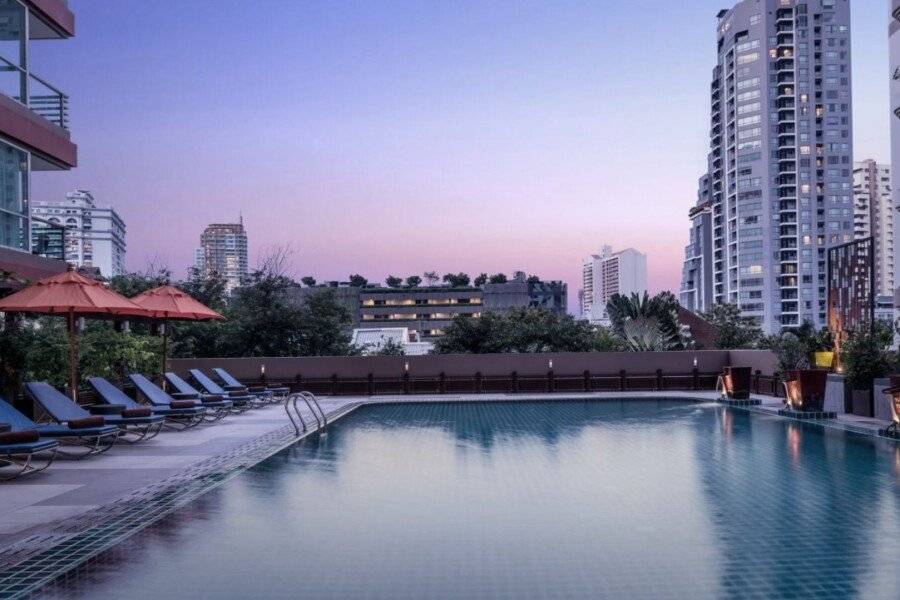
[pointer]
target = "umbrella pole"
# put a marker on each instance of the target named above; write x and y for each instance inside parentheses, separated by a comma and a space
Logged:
(165, 351)
(73, 357)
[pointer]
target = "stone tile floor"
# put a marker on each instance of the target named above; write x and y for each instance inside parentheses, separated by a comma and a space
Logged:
(41, 506)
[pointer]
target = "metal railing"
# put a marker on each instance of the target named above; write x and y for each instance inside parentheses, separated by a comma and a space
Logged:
(290, 403)
(35, 93)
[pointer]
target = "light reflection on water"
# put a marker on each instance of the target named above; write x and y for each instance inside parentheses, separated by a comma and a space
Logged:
(534, 500)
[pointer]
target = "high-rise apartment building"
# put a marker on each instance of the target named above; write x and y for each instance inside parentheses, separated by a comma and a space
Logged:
(780, 163)
(607, 274)
(34, 134)
(894, 35)
(95, 236)
(873, 215)
(223, 250)
(696, 278)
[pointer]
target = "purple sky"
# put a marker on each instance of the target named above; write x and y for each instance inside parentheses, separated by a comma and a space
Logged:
(399, 137)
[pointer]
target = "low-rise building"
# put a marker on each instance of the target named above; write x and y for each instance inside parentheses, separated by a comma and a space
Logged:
(424, 311)
(372, 341)
(525, 292)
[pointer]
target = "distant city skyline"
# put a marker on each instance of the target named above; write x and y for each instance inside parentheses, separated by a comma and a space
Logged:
(372, 139)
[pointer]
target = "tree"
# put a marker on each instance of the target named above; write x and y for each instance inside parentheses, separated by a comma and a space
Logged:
(604, 340)
(132, 284)
(789, 350)
(308, 281)
(646, 323)
(533, 279)
(391, 347)
(393, 282)
(865, 355)
(324, 325)
(358, 281)
(481, 280)
(498, 278)
(206, 290)
(521, 330)
(733, 331)
(457, 279)
(413, 281)
(431, 277)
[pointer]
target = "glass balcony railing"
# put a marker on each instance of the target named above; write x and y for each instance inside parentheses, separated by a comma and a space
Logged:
(41, 97)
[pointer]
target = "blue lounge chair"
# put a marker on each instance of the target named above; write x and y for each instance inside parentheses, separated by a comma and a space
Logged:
(141, 425)
(185, 390)
(211, 387)
(94, 438)
(231, 383)
(213, 409)
(177, 417)
(18, 448)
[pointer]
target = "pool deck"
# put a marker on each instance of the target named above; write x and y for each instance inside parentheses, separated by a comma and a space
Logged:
(72, 496)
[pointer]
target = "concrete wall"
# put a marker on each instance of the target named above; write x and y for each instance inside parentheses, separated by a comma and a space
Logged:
(466, 365)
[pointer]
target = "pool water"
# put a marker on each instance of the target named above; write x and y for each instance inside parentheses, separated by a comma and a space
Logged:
(565, 499)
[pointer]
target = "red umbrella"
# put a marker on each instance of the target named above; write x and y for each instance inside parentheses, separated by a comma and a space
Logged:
(73, 296)
(171, 304)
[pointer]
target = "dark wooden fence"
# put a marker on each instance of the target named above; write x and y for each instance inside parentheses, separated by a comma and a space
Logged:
(493, 373)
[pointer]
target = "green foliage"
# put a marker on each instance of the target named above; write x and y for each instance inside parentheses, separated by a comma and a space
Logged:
(525, 330)
(413, 281)
(324, 326)
(866, 356)
(431, 277)
(480, 280)
(393, 282)
(15, 340)
(733, 331)
(457, 279)
(790, 351)
(814, 341)
(358, 280)
(391, 347)
(644, 323)
(209, 291)
(308, 281)
(533, 279)
(604, 340)
(498, 278)
(105, 352)
(132, 284)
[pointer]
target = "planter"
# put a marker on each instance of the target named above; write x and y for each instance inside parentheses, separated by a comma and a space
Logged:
(805, 389)
(824, 359)
(861, 403)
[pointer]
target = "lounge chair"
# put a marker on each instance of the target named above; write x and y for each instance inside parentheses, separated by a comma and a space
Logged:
(92, 436)
(18, 447)
(231, 383)
(185, 390)
(735, 383)
(211, 387)
(182, 416)
(213, 409)
(141, 424)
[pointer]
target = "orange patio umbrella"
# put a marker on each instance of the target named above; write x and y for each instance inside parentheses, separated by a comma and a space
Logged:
(171, 304)
(73, 296)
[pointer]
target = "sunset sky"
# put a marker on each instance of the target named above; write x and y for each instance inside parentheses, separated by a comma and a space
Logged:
(398, 137)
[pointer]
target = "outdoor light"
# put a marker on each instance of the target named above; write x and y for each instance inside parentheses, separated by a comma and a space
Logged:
(695, 361)
(406, 366)
(550, 363)
(262, 369)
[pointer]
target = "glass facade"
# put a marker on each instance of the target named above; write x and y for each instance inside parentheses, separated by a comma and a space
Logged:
(14, 169)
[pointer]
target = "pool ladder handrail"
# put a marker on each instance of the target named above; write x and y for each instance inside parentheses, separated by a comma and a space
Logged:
(290, 401)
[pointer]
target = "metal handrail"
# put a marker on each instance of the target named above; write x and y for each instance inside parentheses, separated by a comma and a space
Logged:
(290, 401)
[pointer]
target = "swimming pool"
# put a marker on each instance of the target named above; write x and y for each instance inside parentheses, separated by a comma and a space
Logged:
(563, 499)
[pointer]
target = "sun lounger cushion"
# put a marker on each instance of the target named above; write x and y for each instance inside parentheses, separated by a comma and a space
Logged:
(86, 423)
(136, 412)
(182, 404)
(19, 437)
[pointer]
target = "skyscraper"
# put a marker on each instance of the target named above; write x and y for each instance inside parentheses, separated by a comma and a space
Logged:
(34, 124)
(696, 279)
(223, 250)
(95, 236)
(780, 166)
(873, 215)
(607, 274)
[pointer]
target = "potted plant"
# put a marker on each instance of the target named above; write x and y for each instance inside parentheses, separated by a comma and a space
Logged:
(822, 346)
(865, 357)
(793, 357)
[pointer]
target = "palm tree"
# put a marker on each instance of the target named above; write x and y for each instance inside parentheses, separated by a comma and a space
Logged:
(646, 323)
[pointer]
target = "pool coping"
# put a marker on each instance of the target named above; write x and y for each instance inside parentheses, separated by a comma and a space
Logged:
(36, 562)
